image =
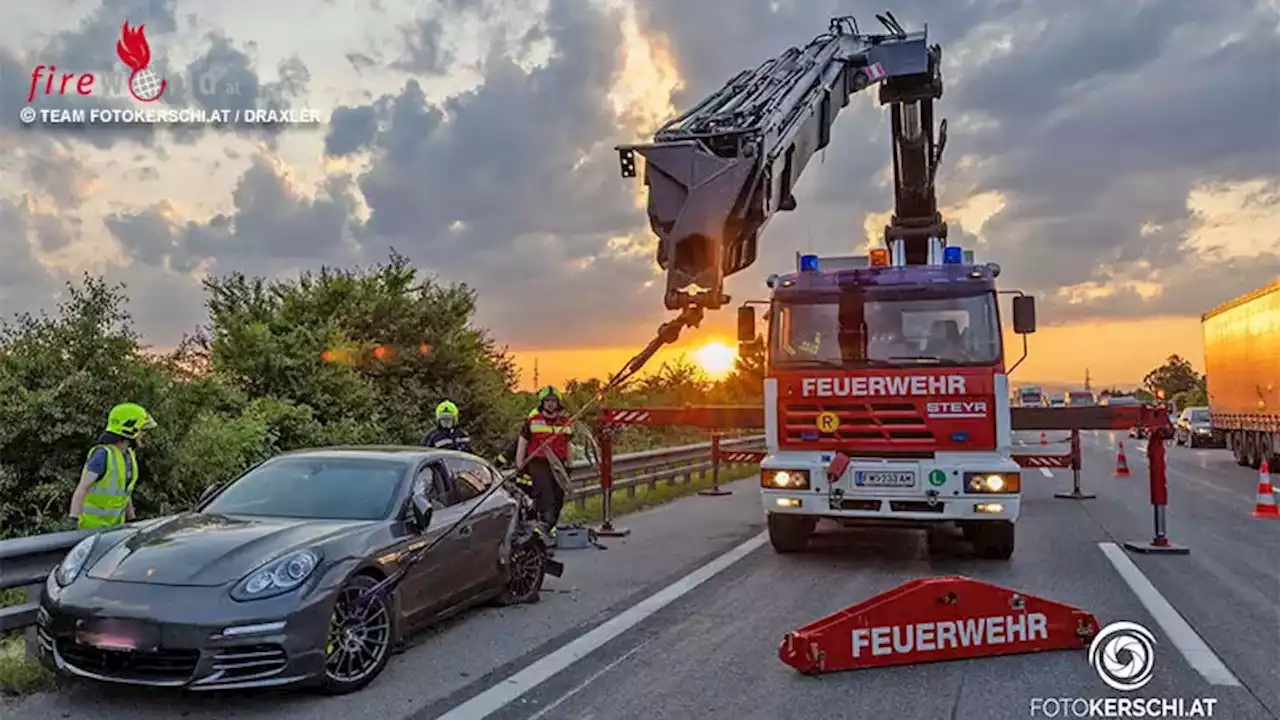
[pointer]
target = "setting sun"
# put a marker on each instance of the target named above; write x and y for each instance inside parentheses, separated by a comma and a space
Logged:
(715, 358)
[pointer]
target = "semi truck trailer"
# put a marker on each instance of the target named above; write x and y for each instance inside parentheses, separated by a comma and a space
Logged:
(1242, 363)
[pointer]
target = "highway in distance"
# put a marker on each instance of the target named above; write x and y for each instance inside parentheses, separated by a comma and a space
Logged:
(683, 618)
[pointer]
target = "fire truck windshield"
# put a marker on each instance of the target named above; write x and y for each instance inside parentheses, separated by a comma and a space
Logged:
(866, 329)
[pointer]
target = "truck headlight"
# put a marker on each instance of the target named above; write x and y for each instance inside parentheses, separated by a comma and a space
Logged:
(785, 479)
(993, 482)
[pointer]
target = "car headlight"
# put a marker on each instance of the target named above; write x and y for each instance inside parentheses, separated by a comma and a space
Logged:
(71, 566)
(278, 576)
(785, 479)
(993, 482)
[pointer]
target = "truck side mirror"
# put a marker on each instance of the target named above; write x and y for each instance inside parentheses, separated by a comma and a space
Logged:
(746, 324)
(1024, 314)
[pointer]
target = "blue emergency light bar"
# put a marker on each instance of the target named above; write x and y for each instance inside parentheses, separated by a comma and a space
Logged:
(808, 263)
(952, 255)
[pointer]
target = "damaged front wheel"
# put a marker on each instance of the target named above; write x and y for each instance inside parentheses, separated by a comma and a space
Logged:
(525, 573)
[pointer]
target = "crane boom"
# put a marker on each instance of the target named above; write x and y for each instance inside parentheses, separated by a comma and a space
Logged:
(719, 172)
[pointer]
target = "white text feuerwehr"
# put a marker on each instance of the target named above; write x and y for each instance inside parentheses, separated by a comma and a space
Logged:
(880, 385)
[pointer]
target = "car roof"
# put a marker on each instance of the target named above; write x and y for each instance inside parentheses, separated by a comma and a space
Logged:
(409, 454)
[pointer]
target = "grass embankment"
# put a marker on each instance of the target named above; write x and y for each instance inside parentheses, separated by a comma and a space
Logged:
(19, 675)
(647, 497)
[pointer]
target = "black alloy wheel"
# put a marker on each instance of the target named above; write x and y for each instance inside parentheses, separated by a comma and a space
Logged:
(360, 640)
(525, 574)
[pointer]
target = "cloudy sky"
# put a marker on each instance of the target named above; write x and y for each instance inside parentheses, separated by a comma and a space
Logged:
(1119, 159)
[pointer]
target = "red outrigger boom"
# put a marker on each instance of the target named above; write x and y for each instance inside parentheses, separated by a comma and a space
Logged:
(935, 619)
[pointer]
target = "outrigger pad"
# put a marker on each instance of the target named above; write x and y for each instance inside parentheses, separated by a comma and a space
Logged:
(934, 619)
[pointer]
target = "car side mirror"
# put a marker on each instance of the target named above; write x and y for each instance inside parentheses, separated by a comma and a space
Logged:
(746, 325)
(420, 510)
(1024, 314)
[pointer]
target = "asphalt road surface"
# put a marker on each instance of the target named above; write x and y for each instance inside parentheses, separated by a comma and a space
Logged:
(683, 618)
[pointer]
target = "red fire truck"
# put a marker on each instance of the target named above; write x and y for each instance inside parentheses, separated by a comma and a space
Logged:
(894, 360)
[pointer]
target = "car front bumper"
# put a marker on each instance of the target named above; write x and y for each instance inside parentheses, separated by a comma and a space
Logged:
(196, 638)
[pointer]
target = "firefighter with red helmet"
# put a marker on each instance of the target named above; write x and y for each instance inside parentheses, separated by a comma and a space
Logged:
(545, 441)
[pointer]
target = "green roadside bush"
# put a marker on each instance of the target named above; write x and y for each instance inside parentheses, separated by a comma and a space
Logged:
(333, 357)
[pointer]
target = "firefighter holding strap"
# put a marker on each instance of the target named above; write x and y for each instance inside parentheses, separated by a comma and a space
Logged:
(104, 497)
(545, 439)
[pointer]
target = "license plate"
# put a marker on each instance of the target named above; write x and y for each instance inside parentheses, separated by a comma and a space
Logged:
(884, 479)
(112, 634)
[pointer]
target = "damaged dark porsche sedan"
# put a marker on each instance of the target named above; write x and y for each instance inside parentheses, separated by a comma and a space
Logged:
(306, 570)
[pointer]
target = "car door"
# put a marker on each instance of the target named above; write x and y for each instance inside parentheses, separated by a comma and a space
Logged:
(430, 584)
(486, 528)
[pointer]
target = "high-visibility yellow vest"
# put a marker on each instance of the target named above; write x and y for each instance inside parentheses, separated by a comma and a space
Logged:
(105, 503)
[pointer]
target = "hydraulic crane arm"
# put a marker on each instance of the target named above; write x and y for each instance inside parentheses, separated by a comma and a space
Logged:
(717, 173)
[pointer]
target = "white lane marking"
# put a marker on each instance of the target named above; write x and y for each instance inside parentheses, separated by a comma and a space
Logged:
(594, 676)
(544, 668)
(1046, 472)
(1188, 642)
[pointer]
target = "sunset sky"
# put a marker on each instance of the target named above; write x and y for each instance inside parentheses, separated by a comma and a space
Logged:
(1118, 159)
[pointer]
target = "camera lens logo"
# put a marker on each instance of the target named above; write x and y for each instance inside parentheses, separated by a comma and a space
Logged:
(1123, 655)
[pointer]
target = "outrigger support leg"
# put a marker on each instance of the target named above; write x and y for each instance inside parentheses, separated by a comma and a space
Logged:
(935, 619)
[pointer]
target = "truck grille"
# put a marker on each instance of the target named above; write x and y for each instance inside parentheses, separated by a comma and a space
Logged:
(870, 424)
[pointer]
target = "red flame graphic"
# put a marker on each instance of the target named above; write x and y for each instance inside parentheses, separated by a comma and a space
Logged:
(133, 48)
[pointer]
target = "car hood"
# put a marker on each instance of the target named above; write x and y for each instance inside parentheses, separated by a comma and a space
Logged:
(195, 549)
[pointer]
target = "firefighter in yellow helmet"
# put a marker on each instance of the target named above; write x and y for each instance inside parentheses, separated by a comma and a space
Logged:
(104, 497)
(448, 434)
(544, 440)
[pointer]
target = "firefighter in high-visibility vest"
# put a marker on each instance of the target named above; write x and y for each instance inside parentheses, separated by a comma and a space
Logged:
(545, 441)
(104, 497)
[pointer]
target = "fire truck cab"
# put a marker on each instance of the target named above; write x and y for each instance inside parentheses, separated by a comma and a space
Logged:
(900, 368)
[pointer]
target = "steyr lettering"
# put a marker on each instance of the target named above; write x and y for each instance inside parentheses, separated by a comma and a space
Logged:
(977, 408)
(945, 634)
(899, 385)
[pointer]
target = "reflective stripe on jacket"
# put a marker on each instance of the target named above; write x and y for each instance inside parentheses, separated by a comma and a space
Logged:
(555, 432)
(108, 496)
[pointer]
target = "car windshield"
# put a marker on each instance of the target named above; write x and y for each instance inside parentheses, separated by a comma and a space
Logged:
(1199, 416)
(1081, 398)
(885, 329)
(319, 488)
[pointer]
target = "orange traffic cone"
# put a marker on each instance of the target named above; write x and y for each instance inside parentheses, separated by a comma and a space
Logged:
(1122, 465)
(1043, 439)
(1265, 505)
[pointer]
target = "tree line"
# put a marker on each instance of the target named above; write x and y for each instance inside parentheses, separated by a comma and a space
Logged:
(1178, 383)
(332, 357)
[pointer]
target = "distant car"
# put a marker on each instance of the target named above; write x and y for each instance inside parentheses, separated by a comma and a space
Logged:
(1057, 400)
(1192, 429)
(264, 584)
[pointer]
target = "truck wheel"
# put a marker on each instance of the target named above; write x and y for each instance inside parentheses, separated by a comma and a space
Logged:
(1237, 449)
(993, 539)
(790, 533)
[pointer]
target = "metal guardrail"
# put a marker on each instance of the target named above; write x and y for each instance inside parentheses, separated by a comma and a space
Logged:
(26, 562)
